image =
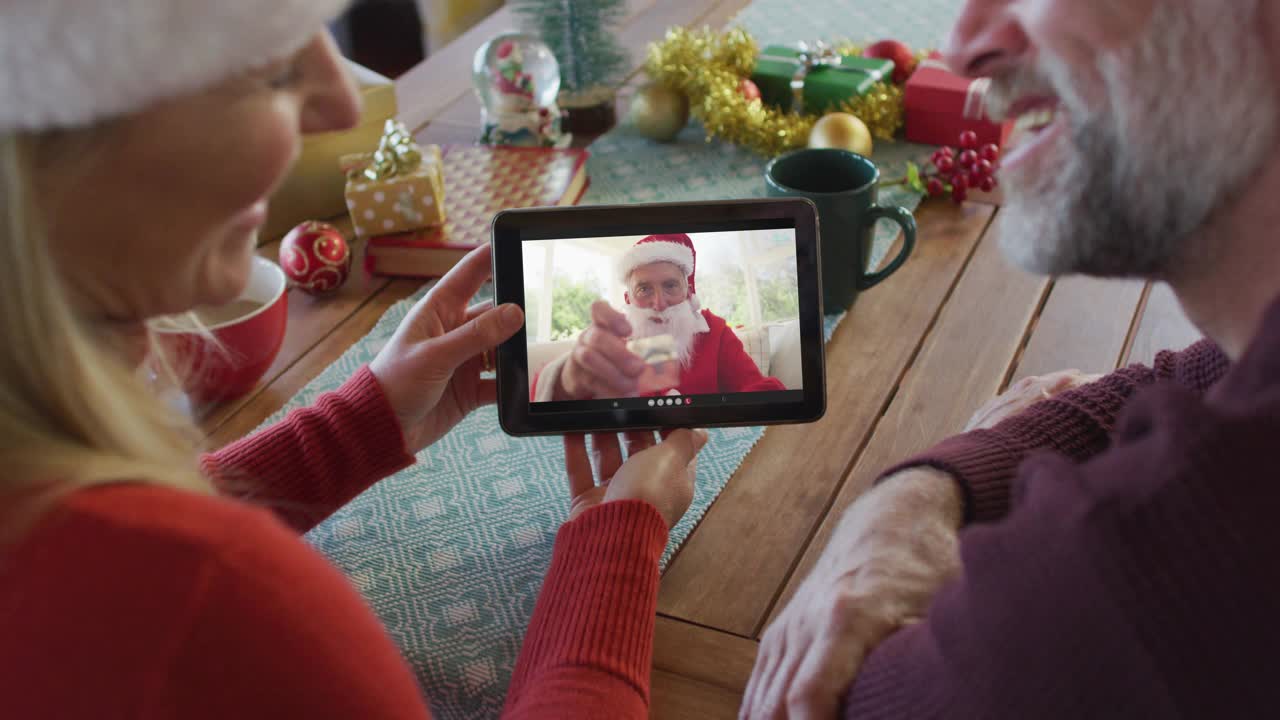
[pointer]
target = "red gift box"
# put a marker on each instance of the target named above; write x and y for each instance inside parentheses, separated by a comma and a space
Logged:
(940, 105)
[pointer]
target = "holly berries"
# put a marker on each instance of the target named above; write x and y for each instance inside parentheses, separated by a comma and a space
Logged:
(958, 171)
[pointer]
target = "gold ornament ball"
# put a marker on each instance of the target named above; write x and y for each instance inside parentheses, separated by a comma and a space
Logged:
(841, 131)
(659, 112)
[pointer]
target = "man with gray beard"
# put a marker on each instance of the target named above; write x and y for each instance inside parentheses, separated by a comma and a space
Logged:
(661, 304)
(1117, 557)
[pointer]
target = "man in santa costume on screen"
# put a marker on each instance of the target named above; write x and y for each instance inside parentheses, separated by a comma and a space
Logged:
(661, 299)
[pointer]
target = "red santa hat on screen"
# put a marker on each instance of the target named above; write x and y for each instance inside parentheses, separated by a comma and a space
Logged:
(675, 249)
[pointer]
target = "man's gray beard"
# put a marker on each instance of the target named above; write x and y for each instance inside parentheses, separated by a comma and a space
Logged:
(1180, 138)
(682, 324)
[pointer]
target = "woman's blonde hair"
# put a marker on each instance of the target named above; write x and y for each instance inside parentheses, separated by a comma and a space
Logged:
(73, 411)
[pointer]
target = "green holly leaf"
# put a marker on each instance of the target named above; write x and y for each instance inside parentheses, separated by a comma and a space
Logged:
(914, 180)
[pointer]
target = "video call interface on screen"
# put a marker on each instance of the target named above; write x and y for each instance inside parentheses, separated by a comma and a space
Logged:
(713, 319)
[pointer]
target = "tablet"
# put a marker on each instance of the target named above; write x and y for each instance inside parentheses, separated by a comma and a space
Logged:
(699, 314)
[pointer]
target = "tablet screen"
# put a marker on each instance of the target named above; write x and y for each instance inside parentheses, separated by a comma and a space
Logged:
(660, 315)
(713, 319)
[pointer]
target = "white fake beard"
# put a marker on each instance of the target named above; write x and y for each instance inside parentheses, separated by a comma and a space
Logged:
(1135, 180)
(678, 321)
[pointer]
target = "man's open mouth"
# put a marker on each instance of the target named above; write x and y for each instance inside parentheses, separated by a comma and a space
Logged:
(1036, 120)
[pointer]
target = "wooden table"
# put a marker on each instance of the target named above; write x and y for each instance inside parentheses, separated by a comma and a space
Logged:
(906, 368)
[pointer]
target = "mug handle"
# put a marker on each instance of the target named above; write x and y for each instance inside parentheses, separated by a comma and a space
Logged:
(908, 223)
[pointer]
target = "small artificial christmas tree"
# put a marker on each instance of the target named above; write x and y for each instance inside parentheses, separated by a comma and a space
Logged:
(592, 63)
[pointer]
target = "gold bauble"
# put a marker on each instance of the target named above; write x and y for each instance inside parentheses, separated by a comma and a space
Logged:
(841, 131)
(659, 112)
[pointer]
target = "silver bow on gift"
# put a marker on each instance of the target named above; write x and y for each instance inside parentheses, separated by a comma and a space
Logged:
(397, 154)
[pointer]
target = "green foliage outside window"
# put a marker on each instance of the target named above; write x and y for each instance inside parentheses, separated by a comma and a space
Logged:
(725, 294)
(571, 308)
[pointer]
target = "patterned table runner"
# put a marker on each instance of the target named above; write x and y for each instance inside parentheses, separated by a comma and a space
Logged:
(451, 552)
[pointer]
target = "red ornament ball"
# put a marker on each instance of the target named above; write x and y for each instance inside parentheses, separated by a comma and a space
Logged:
(316, 257)
(749, 89)
(904, 61)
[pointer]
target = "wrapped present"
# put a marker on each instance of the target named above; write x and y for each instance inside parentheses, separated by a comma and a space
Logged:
(940, 105)
(314, 187)
(815, 80)
(398, 188)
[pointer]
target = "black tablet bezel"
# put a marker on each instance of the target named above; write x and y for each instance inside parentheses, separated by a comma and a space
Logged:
(511, 228)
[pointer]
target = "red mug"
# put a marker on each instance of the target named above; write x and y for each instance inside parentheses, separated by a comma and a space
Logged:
(247, 334)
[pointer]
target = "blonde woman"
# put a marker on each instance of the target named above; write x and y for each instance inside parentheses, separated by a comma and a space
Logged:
(138, 143)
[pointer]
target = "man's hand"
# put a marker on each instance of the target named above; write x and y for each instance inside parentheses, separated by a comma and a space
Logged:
(891, 552)
(1025, 393)
(661, 475)
(600, 366)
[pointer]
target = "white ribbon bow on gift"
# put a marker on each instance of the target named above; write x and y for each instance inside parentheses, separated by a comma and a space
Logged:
(975, 98)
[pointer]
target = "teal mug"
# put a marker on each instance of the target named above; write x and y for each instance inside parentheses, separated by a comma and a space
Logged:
(845, 186)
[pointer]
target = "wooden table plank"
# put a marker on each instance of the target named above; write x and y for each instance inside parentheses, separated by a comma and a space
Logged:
(1163, 326)
(723, 14)
(325, 352)
(964, 360)
(310, 321)
(675, 697)
(703, 654)
(444, 133)
(785, 485)
(1084, 325)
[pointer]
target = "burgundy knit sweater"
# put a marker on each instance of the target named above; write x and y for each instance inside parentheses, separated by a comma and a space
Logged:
(1129, 571)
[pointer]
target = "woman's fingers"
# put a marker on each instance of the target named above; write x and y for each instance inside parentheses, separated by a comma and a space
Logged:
(606, 453)
(639, 441)
(474, 337)
(578, 465)
(463, 281)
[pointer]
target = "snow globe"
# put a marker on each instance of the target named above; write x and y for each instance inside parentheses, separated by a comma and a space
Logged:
(518, 80)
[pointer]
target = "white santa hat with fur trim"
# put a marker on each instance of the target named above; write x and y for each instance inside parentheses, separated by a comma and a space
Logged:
(73, 63)
(675, 249)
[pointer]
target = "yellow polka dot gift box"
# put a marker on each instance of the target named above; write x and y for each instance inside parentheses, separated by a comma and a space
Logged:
(397, 188)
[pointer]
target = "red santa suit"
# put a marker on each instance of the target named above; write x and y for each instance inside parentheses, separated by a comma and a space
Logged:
(718, 364)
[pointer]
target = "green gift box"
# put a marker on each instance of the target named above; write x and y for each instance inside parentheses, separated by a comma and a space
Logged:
(828, 78)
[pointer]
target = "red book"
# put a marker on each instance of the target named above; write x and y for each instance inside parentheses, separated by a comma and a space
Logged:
(479, 181)
(940, 105)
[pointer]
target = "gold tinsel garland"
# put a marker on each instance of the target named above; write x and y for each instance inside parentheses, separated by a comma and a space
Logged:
(709, 68)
